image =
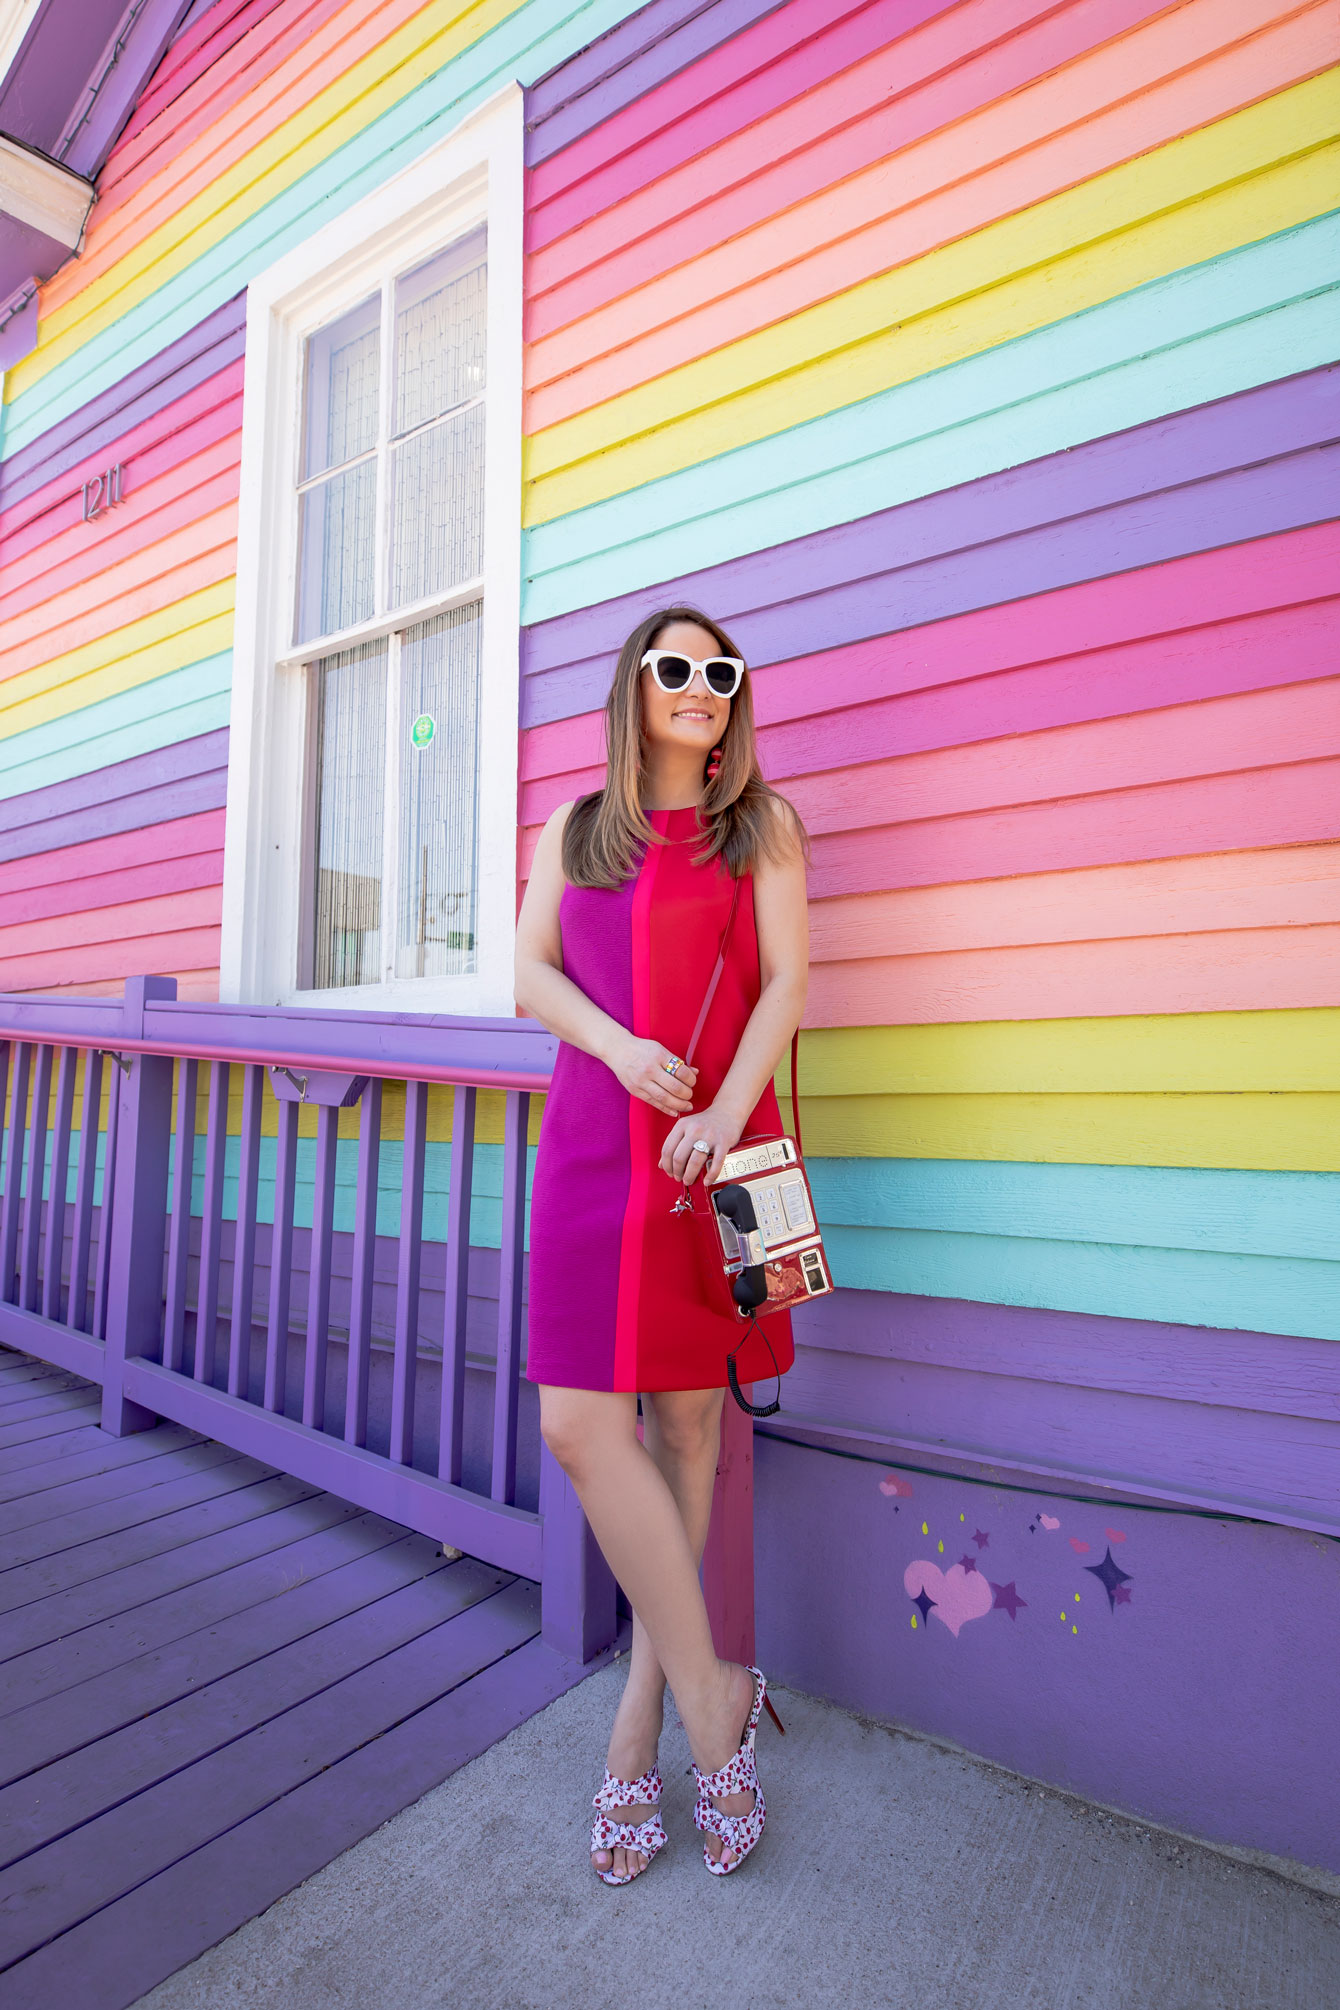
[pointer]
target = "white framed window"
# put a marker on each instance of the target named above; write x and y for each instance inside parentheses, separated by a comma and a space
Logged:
(370, 852)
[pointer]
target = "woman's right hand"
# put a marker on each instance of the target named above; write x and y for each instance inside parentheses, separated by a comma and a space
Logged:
(640, 1066)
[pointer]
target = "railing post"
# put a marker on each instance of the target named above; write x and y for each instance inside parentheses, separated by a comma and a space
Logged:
(577, 1591)
(728, 1560)
(139, 1211)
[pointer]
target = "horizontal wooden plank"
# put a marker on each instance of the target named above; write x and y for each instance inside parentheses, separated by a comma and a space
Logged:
(102, 868)
(197, 906)
(196, 1476)
(185, 779)
(199, 616)
(35, 1487)
(173, 949)
(181, 705)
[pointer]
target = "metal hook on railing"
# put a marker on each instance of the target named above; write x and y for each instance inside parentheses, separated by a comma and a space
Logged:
(299, 1081)
(122, 1063)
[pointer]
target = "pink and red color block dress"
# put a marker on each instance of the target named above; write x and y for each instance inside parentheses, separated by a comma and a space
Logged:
(617, 1296)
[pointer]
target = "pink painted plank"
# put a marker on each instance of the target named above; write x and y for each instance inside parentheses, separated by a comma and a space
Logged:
(103, 858)
(194, 907)
(1297, 886)
(1247, 970)
(210, 410)
(1079, 622)
(196, 987)
(80, 966)
(110, 890)
(198, 53)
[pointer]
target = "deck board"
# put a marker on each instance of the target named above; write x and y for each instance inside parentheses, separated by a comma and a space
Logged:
(213, 1679)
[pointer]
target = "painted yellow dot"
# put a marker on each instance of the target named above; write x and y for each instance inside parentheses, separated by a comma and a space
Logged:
(1064, 1617)
(914, 1622)
(1074, 1629)
(940, 1546)
(960, 1517)
(1077, 1598)
(925, 1528)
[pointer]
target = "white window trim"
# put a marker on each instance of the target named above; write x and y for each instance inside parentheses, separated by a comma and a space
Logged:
(473, 176)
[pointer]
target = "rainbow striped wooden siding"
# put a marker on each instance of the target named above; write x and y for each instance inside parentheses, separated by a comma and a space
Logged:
(977, 364)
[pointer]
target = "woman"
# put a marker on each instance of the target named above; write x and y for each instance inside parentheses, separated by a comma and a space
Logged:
(630, 894)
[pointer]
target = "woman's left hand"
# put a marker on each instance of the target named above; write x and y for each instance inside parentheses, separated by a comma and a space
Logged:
(712, 1127)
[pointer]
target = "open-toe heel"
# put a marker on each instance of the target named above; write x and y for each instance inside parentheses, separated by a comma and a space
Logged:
(647, 1836)
(739, 1775)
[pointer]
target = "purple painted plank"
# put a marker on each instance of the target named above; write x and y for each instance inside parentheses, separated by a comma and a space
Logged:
(236, 1526)
(186, 1734)
(35, 1179)
(115, 1957)
(244, 1237)
(623, 65)
(59, 1182)
(104, 1858)
(364, 1259)
(179, 1232)
(135, 1284)
(87, 1407)
(102, 1267)
(1131, 499)
(19, 1460)
(281, 1257)
(130, 1498)
(318, 1283)
(69, 1493)
(60, 1467)
(46, 1400)
(53, 1726)
(211, 1223)
(406, 1342)
(456, 1286)
(142, 36)
(208, 347)
(77, 1314)
(176, 781)
(21, 1061)
(319, 1534)
(511, 1260)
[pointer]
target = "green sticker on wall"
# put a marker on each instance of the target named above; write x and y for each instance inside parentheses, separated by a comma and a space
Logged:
(422, 731)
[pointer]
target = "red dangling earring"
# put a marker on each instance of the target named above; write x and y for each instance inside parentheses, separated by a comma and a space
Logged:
(714, 764)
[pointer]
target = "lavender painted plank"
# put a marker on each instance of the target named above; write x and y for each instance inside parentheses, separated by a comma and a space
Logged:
(102, 1263)
(76, 1412)
(21, 1458)
(318, 1293)
(77, 1315)
(20, 1057)
(136, 1496)
(43, 1402)
(406, 1341)
(220, 1530)
(54, 1727)
(628, 62)
(281, 1258)
(106, 1857)
(205, 349)
(48, 1475)
(211, 1223)
(336, 1535)
(153, 788)
(456, 1287)
(179, 1205)
(244, 1246)
(115, 1957)
(361, 1277)
(126, 1790)
(58, 1184)
(21, 1388)
(511, 1260)
(35, 1179)
(28, 1506)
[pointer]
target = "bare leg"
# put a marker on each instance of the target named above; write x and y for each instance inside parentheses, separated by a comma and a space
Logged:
(639, 1526)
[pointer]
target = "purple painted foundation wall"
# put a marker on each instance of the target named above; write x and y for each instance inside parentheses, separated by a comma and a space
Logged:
(1207, 1699)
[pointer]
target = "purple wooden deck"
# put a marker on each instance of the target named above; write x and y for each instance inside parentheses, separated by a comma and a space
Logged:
(214, 1677)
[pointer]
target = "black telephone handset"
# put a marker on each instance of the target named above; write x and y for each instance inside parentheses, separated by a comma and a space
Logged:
(750, 1288)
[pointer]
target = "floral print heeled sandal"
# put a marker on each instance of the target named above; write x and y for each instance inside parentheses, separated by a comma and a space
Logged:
(648, 1836)
(739, 1775)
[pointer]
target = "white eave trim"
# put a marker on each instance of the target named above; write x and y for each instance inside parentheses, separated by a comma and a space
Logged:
(42, 194)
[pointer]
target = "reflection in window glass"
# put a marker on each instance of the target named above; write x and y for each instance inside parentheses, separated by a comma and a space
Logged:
(437, 538)
(337, 533)
(439, 692)
(350, 690)
(438, 427)
(340, 389)
(439, 334)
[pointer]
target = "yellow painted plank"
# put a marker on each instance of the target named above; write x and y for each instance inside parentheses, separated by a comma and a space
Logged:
(1245, 178)
(187, 631)
(336, 115)
(1173, 1053)
(1264, 1133)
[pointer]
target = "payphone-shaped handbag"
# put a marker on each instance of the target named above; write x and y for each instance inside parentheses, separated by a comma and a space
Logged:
(758, 1235)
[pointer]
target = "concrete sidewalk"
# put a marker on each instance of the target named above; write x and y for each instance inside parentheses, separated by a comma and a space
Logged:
(893, 1873)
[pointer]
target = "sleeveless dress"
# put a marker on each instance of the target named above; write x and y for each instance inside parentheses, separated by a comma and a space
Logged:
(617, 1299)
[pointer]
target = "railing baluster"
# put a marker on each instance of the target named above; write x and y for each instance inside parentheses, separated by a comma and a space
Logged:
(179, 1234)
(281, 1258)
(510, 1257)
(365, 1250)
(18, 1131)
(30, 1240)
(85, 1183)
(211, 1226)
(103, 1271)
(456, 1290)
(318, 1279)
(244, 1234)
(407, 1275)
(60, 1177)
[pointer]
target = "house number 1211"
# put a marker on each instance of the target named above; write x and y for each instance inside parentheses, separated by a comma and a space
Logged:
(102, 492)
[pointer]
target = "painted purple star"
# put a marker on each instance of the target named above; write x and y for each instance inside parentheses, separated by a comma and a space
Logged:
(1111, 1576)
(968, 1563)
(980, 1537)
(1121, 1596)
(1007, 1598)
(924, 1604)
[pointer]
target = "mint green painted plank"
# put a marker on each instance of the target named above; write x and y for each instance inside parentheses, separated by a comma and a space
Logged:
(184, 703)
(521, 49)
(1287, 1214)
(1256, 1294)
(1245, 318)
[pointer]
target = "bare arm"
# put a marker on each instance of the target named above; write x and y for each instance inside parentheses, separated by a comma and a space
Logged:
(543, 989)
(782, 921)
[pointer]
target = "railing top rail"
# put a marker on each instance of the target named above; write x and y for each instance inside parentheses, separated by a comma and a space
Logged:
(399, 1046)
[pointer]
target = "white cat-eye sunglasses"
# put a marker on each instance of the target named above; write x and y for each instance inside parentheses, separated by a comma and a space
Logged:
(673, 672)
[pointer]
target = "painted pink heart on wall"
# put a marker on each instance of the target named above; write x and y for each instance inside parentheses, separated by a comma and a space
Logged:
(1115, 1534)
(891, 1484)
(959, 1594)
(1076, 1544)
(1050, 1520)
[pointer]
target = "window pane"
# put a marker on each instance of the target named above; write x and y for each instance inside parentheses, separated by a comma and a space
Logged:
(340, 389)
(337, 541)
(437, 536)
(440, 313)
(350, 792)
(439, 714)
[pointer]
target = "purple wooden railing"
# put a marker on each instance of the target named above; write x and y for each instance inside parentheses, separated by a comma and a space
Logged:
(123, 1286)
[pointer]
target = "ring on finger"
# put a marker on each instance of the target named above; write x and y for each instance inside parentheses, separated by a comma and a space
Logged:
(673, 1065)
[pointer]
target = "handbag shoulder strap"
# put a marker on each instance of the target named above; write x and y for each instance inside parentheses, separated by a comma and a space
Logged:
(711, 992)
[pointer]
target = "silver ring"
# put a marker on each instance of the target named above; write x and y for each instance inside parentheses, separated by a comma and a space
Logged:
(673, 1065)
(699, 1146)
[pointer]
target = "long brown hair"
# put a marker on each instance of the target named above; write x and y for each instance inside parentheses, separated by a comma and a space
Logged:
(606, 832)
